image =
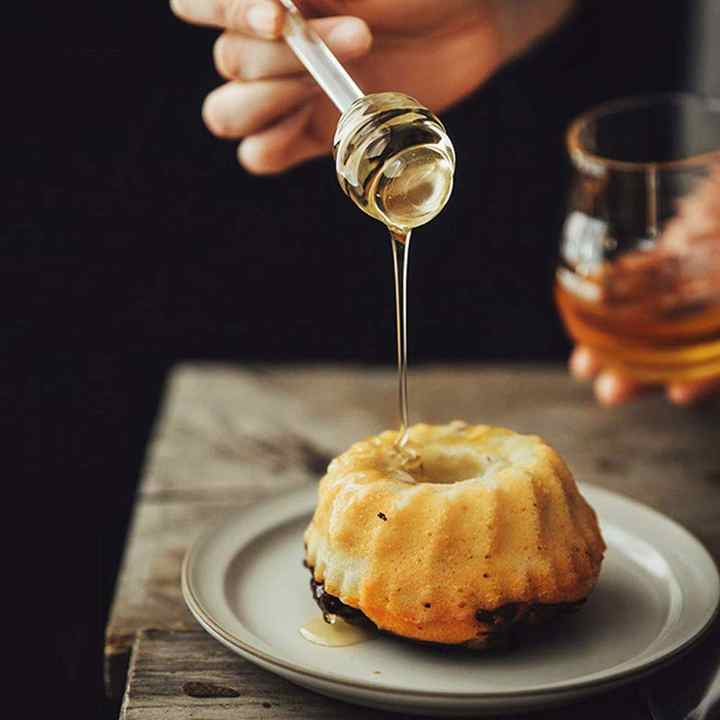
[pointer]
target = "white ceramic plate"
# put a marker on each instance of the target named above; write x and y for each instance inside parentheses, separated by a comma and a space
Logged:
(658, 590)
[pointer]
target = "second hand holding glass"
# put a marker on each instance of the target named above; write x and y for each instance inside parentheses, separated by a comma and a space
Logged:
(638, 282)
(393, 159)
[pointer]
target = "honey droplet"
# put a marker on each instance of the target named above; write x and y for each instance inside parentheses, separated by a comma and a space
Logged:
(333, 634)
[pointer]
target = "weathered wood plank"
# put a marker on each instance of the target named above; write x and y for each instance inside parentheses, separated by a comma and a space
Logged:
(188, 676)
(228, 436)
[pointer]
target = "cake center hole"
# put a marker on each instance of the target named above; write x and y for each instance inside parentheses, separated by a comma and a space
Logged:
(448, 465)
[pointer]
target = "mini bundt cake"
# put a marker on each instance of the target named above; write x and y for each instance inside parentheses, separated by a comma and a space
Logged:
(466, 533)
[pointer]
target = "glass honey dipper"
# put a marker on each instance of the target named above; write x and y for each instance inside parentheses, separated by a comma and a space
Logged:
(393, 157)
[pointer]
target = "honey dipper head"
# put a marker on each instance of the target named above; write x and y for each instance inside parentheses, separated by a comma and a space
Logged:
(394, 159)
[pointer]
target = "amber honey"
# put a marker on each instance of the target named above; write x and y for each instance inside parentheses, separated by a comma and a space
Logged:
(395, 161)
(639, 274)
(643, 338)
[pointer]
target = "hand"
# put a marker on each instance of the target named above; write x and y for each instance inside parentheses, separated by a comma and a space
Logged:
(689, 247)
(437, 52)
(614, 388)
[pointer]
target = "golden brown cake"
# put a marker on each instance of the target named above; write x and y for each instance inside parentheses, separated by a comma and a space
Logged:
(472, 531)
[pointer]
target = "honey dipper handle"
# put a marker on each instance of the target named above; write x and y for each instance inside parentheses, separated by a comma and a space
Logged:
(315, 55)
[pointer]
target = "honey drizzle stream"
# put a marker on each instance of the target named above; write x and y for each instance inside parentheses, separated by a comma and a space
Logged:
(400, 242)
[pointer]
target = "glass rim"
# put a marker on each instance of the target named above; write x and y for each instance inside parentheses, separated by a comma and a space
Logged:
(583, 158)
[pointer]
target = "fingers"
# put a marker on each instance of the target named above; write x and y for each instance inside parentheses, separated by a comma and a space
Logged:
(239, 57)
(285, 144)
(261, 18)
(277, 136)
(689, 393)
(612, 388)
(271, 105)
(584, 364)
(236, 110)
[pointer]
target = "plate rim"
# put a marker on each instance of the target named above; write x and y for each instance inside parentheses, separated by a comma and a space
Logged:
(214, 628)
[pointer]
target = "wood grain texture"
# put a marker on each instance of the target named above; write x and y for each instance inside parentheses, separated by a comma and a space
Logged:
(228, 436)
(186, 675)
(189, 675)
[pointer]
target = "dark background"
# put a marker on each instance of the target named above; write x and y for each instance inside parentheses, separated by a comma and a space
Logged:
(131, 239)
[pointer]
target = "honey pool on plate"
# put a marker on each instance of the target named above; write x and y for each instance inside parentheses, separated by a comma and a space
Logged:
(333, 632)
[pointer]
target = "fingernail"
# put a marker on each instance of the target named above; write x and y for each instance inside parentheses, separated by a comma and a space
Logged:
(264, 19)
(579, 364)
(678, 395)
(688, 393)
(201, 11)
(349, 33)
(606, 388)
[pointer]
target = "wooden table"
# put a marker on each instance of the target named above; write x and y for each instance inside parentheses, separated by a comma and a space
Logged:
(228, 436)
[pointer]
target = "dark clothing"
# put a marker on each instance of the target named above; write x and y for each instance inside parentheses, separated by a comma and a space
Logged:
(153, 239)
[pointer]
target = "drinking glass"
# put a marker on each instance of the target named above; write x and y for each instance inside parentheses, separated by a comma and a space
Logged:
(638, 280)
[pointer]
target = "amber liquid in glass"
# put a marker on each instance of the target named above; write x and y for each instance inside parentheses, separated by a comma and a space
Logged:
(639, 274)
(648, 336)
